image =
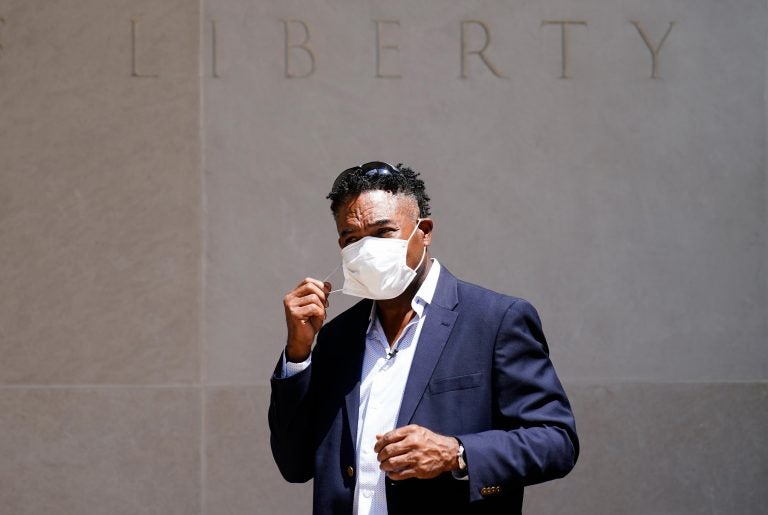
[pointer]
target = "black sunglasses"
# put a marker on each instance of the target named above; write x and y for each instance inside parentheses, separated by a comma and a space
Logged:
(372, 169)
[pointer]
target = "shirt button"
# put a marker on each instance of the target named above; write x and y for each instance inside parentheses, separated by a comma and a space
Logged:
(350, 471)
(367, 493)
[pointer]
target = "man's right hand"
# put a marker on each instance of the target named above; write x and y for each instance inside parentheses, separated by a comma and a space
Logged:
(304, 314)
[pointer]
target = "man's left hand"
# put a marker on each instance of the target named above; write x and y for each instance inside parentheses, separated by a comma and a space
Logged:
(415, 451)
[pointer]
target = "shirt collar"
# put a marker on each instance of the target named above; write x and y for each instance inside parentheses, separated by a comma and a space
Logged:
(423, 295)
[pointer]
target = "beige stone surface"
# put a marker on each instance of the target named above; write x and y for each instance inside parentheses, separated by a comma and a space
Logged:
(99, 193)
(664, 448)
(629, 210)
(99, 451)
(161, 188)
(242, 478)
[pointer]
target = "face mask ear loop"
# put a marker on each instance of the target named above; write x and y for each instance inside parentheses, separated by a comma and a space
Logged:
(331, 275)
(424, 253)
(421, 261)
(418, 222)
(332, 272)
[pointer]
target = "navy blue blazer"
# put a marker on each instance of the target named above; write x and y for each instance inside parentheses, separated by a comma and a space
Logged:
(481, 373)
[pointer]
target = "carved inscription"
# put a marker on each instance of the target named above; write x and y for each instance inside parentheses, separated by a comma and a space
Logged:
(465, 52)
(299, 58)
(564, 42)
(214, 52)
(392, 48)
(306, 66)
(654, 49)
(134, 68)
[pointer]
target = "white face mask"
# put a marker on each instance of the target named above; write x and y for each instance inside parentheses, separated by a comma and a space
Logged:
(376, 268)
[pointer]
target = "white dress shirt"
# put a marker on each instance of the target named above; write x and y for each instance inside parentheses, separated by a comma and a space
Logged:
(382, 383)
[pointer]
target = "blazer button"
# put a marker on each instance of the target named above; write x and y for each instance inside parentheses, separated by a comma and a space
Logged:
(350, 471)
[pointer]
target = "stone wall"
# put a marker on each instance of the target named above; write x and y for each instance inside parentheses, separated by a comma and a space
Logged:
(164, 168)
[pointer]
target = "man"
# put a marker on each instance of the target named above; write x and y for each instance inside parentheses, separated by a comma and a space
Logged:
(432, 395)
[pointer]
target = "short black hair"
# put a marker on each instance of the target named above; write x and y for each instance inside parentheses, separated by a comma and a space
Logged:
(355, 181)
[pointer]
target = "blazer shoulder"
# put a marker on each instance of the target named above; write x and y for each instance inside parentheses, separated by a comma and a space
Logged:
(484, 298)
(507, 313)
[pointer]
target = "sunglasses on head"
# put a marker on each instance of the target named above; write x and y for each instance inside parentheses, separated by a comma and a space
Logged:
(370, 170)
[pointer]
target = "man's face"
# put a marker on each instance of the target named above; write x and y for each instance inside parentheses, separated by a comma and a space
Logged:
(384, 215)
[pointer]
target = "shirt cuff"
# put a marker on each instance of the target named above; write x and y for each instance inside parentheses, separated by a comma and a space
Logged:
(291, 369)
(461, 476)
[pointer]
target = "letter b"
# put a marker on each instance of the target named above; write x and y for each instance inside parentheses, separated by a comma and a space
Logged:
(301, 48)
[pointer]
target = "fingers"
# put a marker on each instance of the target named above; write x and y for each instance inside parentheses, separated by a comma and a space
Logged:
(414, 451)
(309, 287)
(308, 299)
(391, 446)
(396, 458)
(393, 436)
(305, 310)
(310, 280)
(405, 473)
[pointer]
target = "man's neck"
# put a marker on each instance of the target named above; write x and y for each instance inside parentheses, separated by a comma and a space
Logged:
(394, 314)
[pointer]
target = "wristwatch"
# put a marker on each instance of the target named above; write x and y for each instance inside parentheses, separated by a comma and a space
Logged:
(461, 455)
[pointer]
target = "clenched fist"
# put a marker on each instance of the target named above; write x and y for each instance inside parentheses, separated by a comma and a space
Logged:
(415, 451)
(305, 310)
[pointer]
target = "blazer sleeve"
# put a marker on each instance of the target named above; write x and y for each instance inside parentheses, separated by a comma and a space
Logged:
(289, 423)
(534, 436)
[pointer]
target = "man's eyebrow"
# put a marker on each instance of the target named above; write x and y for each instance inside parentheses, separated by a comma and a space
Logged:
(382, 221)
(375, 223)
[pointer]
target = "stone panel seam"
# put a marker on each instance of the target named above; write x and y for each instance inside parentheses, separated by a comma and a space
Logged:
(609, 382)
(203, 235)
(21, 386)
(204, 388)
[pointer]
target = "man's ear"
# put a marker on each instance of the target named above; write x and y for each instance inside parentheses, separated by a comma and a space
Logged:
(426, 225)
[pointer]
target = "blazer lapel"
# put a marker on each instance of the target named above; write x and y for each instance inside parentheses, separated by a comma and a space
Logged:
(434, 334)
